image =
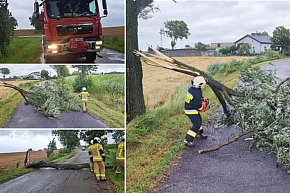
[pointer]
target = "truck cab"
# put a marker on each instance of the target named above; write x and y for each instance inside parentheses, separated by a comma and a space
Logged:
(71, 27)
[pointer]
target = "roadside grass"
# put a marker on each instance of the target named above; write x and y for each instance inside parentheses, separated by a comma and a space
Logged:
(23, 50)
(114, 43)
(156, 138)
(107, 98)
(9, 101)
(11, 173)
(118, 181)
(61, 156)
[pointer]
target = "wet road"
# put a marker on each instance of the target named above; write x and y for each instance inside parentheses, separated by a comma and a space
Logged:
(26, 116)
(108, 57)
(80, 157)
(233, 168)
(47, 180)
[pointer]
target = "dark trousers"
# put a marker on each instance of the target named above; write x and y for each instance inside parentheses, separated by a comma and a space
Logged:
(196, 127)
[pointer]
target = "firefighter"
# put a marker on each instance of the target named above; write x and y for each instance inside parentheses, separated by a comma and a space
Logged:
(120, 156)
(194, 104)
(84, 96)
(91, 157)
(98, 154)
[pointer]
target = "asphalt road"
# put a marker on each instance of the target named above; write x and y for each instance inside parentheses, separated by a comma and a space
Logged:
(80, 157)
(233, 168)
(48, 180)
(26, 116)
(109, 57)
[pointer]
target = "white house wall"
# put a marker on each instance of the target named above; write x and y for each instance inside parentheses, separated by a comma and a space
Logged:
(256, 47)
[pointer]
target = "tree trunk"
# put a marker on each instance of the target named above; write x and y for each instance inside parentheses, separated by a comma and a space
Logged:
(134, 92)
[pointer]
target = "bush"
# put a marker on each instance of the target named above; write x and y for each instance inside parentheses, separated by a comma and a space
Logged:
(81, 81)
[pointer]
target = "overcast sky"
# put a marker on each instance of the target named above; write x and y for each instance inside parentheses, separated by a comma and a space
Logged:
(22, 140)
(23, 9)
(20, 70)
(214, 21)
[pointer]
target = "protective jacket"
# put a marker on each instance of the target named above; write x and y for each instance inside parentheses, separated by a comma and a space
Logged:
(84, 96)
(120, 155)
(97, 152)
(193, 101)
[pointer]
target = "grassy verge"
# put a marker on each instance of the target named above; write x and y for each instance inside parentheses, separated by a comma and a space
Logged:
(107, 98)
(155, 139)
(61, 156)
(11, 173)
(8, 105)
(117, 181)
(23, 50)
(114, 43)
(9, 101)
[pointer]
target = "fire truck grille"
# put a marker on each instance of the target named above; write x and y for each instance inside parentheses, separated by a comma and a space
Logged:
(74, 29)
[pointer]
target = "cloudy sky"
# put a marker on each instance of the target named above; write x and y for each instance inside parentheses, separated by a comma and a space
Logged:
(214, 21)
(23, 9)
(20, 70)
(22, 140)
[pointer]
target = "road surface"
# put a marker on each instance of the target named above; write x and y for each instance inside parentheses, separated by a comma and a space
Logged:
(26, 116)
(80, 157)
(48, 180)
(109, 57)
(233, 168)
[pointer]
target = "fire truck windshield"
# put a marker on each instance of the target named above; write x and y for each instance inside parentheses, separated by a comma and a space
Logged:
(73, 8)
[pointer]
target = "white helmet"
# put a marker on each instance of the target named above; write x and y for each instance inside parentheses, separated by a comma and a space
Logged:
(198, 82)
(97, 140)
(92, 141)
(84, 89)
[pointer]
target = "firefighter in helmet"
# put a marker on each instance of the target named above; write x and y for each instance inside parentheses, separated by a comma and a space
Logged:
(194, 104)
(120, 156)
(98, 154)
(84, 95)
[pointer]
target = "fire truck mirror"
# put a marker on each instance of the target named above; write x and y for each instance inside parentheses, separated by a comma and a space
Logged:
(36, 8)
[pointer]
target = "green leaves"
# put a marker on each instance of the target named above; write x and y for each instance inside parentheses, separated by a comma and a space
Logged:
(54, 98)
(265, 112)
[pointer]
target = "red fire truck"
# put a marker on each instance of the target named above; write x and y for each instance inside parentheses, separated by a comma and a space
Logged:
(71, 27)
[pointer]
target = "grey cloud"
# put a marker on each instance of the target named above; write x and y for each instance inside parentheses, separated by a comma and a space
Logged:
(214, 21)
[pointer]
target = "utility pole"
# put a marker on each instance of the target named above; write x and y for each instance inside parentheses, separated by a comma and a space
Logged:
(161, 32)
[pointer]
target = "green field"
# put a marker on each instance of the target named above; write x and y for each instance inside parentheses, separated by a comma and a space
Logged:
(114, 43)
(107, 98)
(23, 50)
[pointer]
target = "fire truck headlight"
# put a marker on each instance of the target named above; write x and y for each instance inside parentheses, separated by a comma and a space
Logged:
(99, 43)
(52, 47)
(98, 47)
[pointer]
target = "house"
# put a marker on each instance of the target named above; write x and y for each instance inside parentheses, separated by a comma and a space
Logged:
(259, 43)
(220, 45)
(35, 75)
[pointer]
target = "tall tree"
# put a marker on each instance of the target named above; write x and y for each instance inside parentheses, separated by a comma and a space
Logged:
(36, 23)
(8, 24)
(68, 138)
(134, 92)
(264, 33)
(86, 69)
(4, 71)
(244, 49)
(50, 147)
(281, 39)
(176, 30)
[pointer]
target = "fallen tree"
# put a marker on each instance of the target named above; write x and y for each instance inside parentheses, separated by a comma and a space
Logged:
(259, 106)
(50, 99)
(43, 164)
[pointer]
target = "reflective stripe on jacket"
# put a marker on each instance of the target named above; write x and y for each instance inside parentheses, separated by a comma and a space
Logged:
(84, 96)
(95, 150)
(120, 155)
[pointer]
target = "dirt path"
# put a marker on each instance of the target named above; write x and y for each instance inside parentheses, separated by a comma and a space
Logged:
(26, 116)
(49, 180)
(233, 168)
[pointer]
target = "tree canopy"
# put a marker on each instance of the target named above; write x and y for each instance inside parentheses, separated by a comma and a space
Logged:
(281, 39)
(8, 25)
(176, 30)
(4, 71)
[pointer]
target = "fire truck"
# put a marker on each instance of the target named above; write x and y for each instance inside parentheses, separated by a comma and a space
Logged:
(71, 27)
